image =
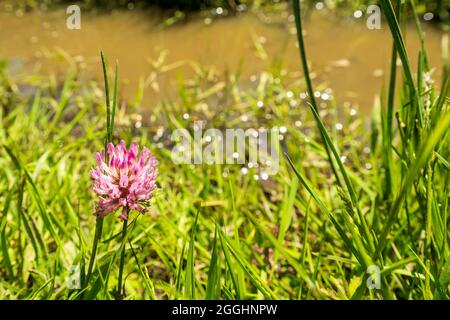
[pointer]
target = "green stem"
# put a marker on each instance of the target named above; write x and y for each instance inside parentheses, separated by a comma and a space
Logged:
(122, 259)
(108, 102)
(301, 46)
(390, 116)
(97, 237)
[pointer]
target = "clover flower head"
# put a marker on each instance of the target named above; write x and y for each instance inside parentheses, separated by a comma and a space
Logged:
(123, 180)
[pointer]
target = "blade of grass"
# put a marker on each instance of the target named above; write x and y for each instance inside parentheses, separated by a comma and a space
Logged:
(259, 283)
(399, 43)
(442, 160)
(107, 100)
(304, 61)
(424, 153)
(190, 272)
(148, 283)
(3, 242)
(213, 284)
(363, 226)
(113, 112)
(360, 254)
(231, 267)
(178, 282)
(279, 246)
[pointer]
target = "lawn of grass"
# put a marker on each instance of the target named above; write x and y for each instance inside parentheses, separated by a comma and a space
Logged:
(351, 194)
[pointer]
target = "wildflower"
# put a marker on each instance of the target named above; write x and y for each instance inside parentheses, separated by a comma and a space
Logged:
(122, 180)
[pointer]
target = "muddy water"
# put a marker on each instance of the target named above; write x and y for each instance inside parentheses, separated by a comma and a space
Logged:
(344, 54)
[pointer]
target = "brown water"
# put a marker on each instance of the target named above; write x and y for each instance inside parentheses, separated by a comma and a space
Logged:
(344, 54)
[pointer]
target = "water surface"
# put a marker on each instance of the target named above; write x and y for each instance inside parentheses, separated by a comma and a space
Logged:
(343, 53)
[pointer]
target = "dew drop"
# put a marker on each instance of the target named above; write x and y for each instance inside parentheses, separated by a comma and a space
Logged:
(319, 5)
(428, 16)
(325, 96)
(357, 14)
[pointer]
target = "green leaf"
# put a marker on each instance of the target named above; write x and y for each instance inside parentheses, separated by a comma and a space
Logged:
(213, 284)
(190, 273)
(251, 272)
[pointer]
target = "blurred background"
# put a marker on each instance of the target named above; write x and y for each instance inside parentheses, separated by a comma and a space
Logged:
(160, 43)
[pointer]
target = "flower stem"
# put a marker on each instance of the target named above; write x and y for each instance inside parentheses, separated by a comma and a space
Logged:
(97, 237)
(122, 259)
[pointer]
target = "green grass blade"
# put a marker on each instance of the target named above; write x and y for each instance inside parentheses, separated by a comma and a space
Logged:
(107, 99)
(423, 156)
(114, 105)
(3, 240)
(213, 284)
(304, 61)
(190, 292)
(259, 283)
(399, 42)
(361, 253)
(231, 267)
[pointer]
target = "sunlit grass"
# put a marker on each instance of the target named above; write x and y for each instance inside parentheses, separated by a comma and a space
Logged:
(214, 231)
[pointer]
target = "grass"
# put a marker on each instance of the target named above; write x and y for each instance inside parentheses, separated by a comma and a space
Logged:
(308, 232)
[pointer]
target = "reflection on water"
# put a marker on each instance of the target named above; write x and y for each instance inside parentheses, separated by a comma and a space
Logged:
(345, 55)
